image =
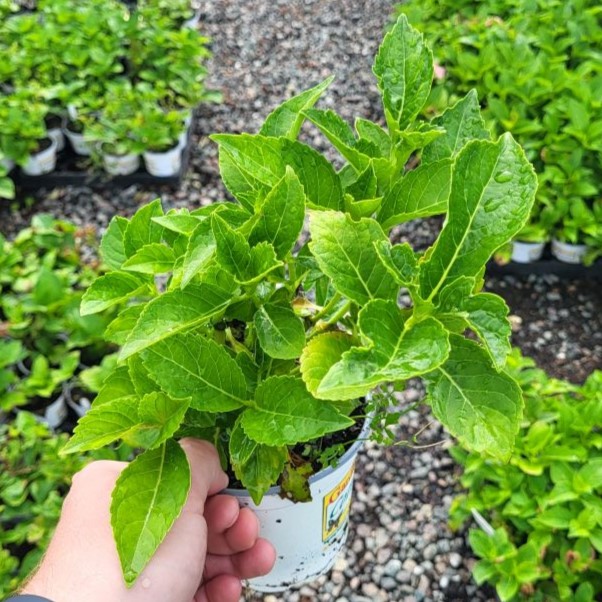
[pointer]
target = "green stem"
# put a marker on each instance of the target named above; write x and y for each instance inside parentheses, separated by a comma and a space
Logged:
(333, 301)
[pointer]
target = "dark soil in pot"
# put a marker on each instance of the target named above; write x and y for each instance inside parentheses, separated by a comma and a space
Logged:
(53, 121)
(77, 127)
(42, 146)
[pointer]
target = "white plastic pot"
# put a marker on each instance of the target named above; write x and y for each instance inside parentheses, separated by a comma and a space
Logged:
(527, 252)
(193, 21)
(8, 164)
(164, 165)
(569, 253)
(55, 414)
(307, 536)
(78, 143)
(120, 165)
(57, 135)
(42, 162)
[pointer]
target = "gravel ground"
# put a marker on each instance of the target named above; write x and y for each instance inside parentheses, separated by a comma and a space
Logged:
(399, 547)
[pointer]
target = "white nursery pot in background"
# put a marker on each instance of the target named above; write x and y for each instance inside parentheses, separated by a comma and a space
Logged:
(569, 253)
(8, 164)
(527, 252)
(120, 165)
(79, 145)
(193, 21)
(306, 535)
(57, 135)
(164, 165)
(42, 162)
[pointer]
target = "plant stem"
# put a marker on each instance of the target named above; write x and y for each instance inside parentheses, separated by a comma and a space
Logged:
(333, 301)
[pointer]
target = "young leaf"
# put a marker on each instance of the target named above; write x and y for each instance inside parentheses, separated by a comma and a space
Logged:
(255, 465)
(200, 251)
(372, 132)
(493, 188)
(119, 329)
(154, 258)
(462, 123)
(141, 380)
(192, 366)
(397, 350)
(148, 497)
(404, 70)
(364, 185)
(280, 332)
(345, 252)
(117, 384)
(281, 215)
(112, 249)
(423, 192)
(232, 249)
(286, 120)
(111, 289)
(400, 261)
(142, 230)
(477, 404)
(286, 413)
(181, 223)
(175, 312)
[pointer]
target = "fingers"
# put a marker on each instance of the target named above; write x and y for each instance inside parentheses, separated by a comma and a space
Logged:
(231, 530)
(254, 562)
(207, 475)
(224, 588)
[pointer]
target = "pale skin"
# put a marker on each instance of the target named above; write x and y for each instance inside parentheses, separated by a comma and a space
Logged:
(210, 548)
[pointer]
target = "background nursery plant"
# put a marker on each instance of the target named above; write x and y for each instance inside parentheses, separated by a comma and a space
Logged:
(264, 341)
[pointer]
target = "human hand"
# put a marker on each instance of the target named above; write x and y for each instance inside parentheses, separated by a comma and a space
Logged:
(210, 548)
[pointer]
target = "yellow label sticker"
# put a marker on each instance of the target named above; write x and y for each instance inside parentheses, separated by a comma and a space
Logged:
(336, 506)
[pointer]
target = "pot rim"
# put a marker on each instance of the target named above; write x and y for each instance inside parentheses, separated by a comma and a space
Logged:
(176, 147)
(318, 476)
(48, 150)
(573, 245)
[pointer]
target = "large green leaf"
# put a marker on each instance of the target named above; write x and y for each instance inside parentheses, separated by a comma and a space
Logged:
(404, 70)
(287, 119)
(177, 311)
(397, 349)
(285, 413)
(154, 258)
(192, 366)
(111, 289)
(344, 250)
(423, 192)
(251, 165)
(255, 465)
(142, 230)
(117, 384)
(475, 402)
(462, 123)
(493, 188)
(280, 332)
(112, 249)
(148, 497)
(280, 216)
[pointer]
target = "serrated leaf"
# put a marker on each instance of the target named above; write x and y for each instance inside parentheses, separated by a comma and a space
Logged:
(233, 252)
(281, 215)
(252, 165)
(256, 466)
(285, 413)
(117, 384)
(462, 123)
(192, 366)
(148, 497)
(287, 119)
(320, 354)
(364, 186)
(111, 289)
(345, 252)
(400, 261)
(493, 188)
(112, 249)
(176, 311)
(372, 132)
(423, 192)
(280, 332)
(359, 209)
(154, 258)
(263, 261)
(404, 70)
(182, 223)
(477, 404)
(141, 380)
(200, 251)
(119, 329)
(395, 350)
(141, 229)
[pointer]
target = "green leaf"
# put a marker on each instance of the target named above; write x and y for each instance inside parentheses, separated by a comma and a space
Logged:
(286, 414)
(263, 261)
(281, 215)
(118, 384)
(119, 329)
(7, 188)
(192, 366)
(321, 353)
(148, 497)
(154, 258)
(49, 287)
(295, 482)
(233, 252)
(396, 350)
(176, 311)
(374, 134)
(112, 249)
(462, 123)
(252, 165)
(493, 188)
(280, 332)
(142, 230)
(364, 208)
(287, 119)
(111, 289)
(404, 70)
(256, 466)
(400, 261)
(200, 251)
(139, 376)
(345, 252)
(11, 352)
(364, 186)
(477, 404)
(423, 192)
(182, 223)
(507, 588)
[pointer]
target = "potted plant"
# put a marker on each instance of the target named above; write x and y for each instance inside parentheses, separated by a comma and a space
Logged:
(529, 244)
(578, 222)
(279, 346)
(178, 13)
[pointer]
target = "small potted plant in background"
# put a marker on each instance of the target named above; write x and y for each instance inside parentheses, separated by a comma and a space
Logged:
(530, 242)
(277, 348)
(578, 220)
(178, 13)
